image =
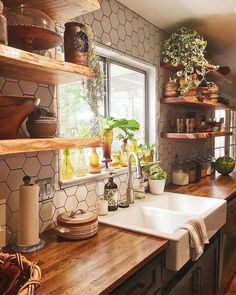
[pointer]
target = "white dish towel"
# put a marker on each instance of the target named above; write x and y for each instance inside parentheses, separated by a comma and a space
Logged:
(197, 235)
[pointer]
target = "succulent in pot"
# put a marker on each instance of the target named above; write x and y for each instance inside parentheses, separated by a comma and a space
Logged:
(157, 179)
(185, 50)
(41, 123)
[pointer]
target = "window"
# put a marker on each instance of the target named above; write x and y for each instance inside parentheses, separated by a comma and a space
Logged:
(220, 142)
(126, 96)
(232, 141)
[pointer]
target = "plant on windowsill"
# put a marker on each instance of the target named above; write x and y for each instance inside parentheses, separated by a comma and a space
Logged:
(186, 48)
(107, 124)
(146, 152)
(156, 178)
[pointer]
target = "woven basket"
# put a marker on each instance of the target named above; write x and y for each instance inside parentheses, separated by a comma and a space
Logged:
(29, 270)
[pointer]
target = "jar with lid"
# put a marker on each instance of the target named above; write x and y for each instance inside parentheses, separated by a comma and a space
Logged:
(208, 165)
(203, 164)
(3, 26)
(192, 171)
(180, 174)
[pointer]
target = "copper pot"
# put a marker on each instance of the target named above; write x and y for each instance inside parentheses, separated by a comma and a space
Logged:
(76, 43)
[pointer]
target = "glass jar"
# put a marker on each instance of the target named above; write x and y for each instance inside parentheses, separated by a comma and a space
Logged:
(180, 175)
(190, 125)
(180, 124)
(106, 140)
(191, 172)
(94, 167)
(203, 164)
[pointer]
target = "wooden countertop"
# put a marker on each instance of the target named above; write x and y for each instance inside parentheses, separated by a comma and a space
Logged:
(93, 266)
(215, 186)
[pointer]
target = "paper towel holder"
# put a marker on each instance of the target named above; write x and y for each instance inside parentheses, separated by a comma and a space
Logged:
(40, 243)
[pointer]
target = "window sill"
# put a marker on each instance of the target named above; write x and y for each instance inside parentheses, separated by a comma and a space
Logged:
(95, 177)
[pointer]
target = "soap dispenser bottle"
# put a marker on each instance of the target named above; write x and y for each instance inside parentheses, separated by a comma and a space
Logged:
(111, 193)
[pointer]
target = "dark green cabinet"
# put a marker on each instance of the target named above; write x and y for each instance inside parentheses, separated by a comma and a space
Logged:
(195, 278)
(147, 281)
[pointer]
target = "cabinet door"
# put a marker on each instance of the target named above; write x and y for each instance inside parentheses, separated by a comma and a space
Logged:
(186, 286)
(147, 281)
(207, 270)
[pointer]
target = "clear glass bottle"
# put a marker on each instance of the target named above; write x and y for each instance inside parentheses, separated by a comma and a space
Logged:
(94, 167)
(67, 171)
(81, 164)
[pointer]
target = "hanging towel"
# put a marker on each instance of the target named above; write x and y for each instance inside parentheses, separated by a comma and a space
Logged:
(197, 235)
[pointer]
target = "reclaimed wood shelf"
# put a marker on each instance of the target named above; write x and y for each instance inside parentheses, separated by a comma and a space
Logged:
(16, 63)
(214, 73)
(194, 102)
(58, 10)
(199, 135)
(13, 146)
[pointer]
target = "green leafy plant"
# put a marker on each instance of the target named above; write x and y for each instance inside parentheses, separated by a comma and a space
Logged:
(96, 85)
(186, 48)
(155, 172)
(125, 125)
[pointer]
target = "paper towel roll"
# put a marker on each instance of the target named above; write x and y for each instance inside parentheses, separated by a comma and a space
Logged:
(28, 229)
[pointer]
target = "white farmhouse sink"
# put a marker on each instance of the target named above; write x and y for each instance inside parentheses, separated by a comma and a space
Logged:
(162, 216)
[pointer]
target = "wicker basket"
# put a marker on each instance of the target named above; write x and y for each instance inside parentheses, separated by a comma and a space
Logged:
(29, 277)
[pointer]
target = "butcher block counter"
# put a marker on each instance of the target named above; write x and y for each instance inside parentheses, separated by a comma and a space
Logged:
(94, 266)
(215, 186)
(104, 262)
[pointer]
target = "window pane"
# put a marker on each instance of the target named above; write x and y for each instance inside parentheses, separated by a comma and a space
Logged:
(127, 95)
(232, 151)
(219, 152)
(76, 117)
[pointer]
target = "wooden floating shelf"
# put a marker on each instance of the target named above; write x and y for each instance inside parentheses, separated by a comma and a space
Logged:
(15, 63)
(58, 10)
(193, 101)
(13, 146)
(213, 73)
(200, 135)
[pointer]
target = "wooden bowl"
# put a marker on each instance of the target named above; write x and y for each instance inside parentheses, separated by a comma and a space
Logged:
(13, 112)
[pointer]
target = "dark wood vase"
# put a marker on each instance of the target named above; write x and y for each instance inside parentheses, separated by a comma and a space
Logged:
(76, 43)
(13, 111)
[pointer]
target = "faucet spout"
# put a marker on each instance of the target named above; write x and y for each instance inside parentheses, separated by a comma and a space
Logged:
(130, 188)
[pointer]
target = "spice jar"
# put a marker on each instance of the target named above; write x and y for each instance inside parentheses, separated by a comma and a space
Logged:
(76, 43)
(190, 125)
(3, 26)
(180, 123)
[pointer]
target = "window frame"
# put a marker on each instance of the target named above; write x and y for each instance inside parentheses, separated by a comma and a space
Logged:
(108, 63)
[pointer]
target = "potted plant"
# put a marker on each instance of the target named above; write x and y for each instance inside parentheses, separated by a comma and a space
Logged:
(185, 49)
(107, 124)
(146, 151)
(157, 179)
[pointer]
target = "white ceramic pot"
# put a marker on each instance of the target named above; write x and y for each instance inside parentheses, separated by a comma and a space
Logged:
(157, 186)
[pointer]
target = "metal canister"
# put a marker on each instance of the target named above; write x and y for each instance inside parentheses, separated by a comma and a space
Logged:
(76, 43)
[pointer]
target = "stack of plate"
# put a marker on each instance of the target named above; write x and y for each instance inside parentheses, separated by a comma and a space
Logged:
(77, 225)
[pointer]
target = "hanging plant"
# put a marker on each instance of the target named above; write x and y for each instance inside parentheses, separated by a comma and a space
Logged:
(186, 48)
(96, 85)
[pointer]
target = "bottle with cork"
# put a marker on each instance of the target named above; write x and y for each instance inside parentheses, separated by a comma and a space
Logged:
(3, 26)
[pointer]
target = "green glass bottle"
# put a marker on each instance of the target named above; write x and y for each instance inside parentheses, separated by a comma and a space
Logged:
(67, 171)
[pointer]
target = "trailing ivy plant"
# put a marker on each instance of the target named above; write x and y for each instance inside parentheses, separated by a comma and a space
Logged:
(186, 48)
(95, 86)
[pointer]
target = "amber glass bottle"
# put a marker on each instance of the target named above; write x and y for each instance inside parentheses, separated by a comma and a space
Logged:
(94, 167)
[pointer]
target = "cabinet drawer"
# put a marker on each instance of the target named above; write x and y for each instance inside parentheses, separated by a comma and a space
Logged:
(146, 281)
